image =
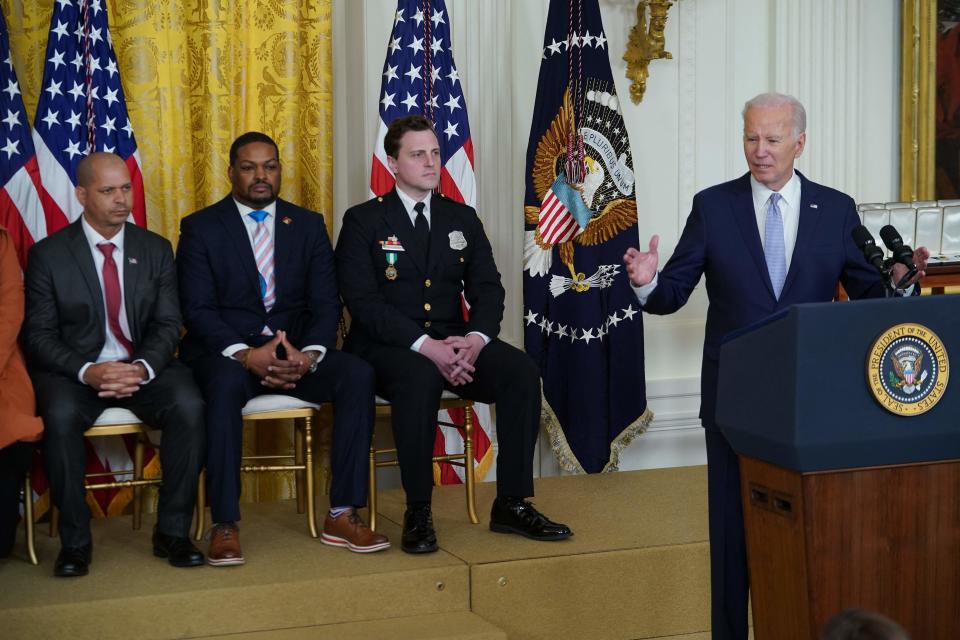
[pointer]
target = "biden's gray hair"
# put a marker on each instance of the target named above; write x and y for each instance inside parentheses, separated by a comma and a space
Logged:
(766, 100)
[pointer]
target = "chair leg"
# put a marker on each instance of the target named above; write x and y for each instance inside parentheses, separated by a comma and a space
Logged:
(372, 488)
(54, 521)
(138, 475)
(468, 462)
(201, 504)
(299, 475)
(311, 502)
(28, 519)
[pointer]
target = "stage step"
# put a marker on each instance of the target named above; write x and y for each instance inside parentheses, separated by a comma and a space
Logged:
(441, 626)
(636, 569)
(290, 580)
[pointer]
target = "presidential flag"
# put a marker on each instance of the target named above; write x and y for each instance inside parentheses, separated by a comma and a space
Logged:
(21, 209)
(82, 109)
(420, 77)
(582, 323)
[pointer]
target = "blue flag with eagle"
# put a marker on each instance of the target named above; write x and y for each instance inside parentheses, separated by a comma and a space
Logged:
(582, 323)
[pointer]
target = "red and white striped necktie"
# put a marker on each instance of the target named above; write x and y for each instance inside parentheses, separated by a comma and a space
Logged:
(263, 254)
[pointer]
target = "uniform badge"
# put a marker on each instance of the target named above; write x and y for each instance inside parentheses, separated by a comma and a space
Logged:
(457, 241)
(907, 369)
(391, 247)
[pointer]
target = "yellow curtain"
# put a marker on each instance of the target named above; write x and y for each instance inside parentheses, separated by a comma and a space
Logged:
(196, 74)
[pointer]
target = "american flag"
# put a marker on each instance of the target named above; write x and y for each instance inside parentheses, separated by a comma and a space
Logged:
(82, 109)
(21, 210)
(420, 77)
(82, 106)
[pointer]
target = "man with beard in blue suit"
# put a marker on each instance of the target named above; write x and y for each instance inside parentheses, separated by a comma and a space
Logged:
(765, 241)
(256, 272)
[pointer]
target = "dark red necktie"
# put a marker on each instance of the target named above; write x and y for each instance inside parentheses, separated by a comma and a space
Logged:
(111, 290)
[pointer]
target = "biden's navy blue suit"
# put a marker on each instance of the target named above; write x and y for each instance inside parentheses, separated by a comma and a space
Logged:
(721, 241)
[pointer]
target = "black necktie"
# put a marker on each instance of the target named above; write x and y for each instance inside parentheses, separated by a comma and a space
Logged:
(421, 227)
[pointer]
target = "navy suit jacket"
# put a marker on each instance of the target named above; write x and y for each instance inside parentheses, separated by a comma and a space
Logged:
(220, 285)
(722, 242)
(424, 296)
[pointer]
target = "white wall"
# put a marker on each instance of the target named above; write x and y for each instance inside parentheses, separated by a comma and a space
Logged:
(839, 57)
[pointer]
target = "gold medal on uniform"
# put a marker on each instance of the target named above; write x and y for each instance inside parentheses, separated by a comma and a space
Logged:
(392, 247)
(391, 270)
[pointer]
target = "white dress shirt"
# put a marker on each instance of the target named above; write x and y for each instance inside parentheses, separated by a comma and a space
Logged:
(112, 350)
(409, 204)
(251, 225)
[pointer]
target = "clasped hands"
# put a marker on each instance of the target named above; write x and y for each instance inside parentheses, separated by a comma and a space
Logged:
(454, 356)
(115, 379)
(274, 373)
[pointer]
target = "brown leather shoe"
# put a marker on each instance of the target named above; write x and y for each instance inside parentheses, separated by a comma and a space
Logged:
(225, 545)
(348, 530)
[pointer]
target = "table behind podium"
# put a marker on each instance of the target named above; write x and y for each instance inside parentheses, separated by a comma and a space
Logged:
(846, 503)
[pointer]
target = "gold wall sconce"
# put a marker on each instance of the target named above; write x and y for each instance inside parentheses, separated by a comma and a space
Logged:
(646, 43)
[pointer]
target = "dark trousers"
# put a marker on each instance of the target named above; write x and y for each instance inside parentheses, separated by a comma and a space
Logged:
(413, 385)
(169, 402)
(14, 463)
(729, 580)
(340, 378)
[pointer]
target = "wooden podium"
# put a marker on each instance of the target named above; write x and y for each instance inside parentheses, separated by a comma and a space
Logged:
(845, 503)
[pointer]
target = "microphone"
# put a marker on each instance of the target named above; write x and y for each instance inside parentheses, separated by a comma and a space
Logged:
(865, 242)
(901, 252)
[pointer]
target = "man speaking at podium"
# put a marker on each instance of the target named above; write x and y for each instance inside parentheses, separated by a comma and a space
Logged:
(765, 241)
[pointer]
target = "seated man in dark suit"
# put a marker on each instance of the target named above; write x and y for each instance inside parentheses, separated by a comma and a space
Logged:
(256, 273)
(102, 325)
(407, 321)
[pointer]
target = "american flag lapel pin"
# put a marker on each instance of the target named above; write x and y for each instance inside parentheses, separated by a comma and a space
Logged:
(813, 206)
(132, 260)
(286, 220)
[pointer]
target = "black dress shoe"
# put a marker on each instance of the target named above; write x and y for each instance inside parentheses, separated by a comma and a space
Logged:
(73, 562)
(180, 552)
(418, 533)
(516, 515)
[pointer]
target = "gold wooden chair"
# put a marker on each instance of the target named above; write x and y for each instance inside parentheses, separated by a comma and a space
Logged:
(388, 457)
(28, 529)
(117, 422)
(300, 460)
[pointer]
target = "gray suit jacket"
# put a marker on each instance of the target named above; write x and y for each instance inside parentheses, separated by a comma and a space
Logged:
(65, 320)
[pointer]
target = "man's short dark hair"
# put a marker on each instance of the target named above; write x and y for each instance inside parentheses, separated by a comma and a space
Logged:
(397, 129)
(248, 138)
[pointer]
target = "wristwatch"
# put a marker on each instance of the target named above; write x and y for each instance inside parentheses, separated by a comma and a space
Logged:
(314, 361)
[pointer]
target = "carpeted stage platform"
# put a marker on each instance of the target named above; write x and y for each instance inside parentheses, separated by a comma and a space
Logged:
(636, 568)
